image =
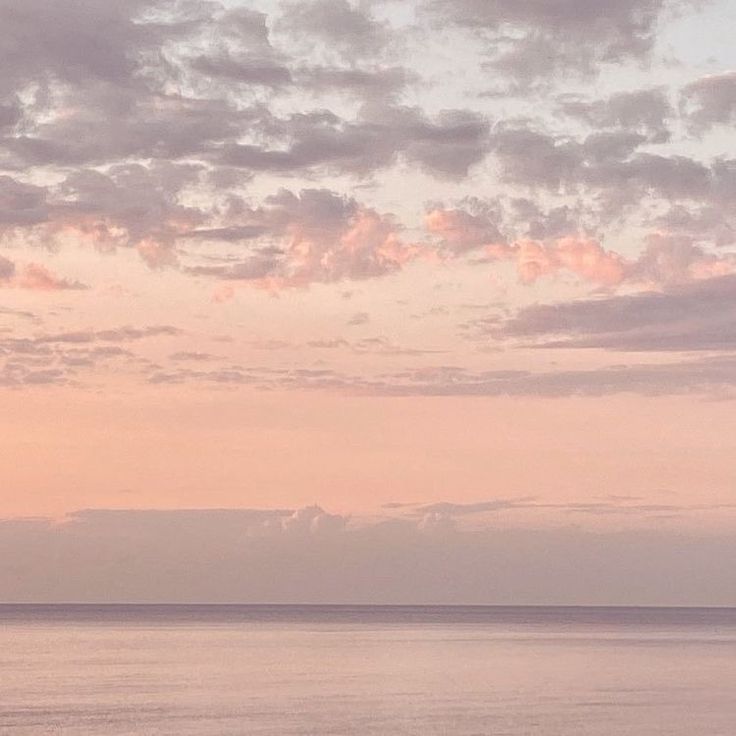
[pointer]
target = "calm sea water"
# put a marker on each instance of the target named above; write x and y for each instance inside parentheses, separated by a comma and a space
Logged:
(251, 670)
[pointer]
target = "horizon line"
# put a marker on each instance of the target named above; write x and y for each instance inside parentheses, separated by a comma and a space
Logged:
(213, 604)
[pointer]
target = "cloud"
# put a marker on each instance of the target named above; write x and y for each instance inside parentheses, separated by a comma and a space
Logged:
(713, 377)
(671, 259)
(7, 270)
(36, 277)
(196, 555)
(705, 377)
(159, 126)
(608, 163)
(494, 229)
(337, 24)
(372, 83)
(359, 318)
(710, 101)
(10, 115)
(246, 71)
(233, 376)
(447, 508)
(316, 236)
(148, 136)
(312, 520)
(85, 42)
(528, 40)
(21, 205)
(446, 146)
(166, 127)
(74, 358)
(462, 230)
(162, 91)
(93, 78)
(710, 223)
(665, 260)
(612, 505)
(117, 334)
(192, 356)
(683, 317)
(643, 111)
(19, 313)
(131, 205)
(582, 256)
(244, 54)
(477, 227)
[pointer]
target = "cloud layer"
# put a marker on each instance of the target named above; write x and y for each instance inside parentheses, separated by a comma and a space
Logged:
(297, 221)
(146, 125)
(310, 556)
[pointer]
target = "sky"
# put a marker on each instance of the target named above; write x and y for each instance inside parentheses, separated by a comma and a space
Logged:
(368, 300)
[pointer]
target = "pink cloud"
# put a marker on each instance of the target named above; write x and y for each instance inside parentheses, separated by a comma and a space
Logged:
(36, 277)
(667, 258)
(364, 245)
(461, 230)
(318, 237)
(584, 257)
(670, 258)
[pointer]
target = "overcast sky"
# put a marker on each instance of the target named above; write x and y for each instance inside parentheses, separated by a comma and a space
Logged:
(361, 300)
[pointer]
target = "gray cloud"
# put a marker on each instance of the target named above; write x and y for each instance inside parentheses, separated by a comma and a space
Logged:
(118, 334)
(193, 356)
(446, 146)
(536, 222)
(82, 42)
(129, 205)
(21, 204)
(610, 172)
(374, 83)
(156, 126)
(72, 357)
(695, 316)
(19, 313)
(7, 269)
(359, 318)
(233, 376)
(606, 161)
(469, 509)
(338, 24)
(710, 222)
(712, 376)
(246, 71)
(711, 101)
(244, 53)
(608, 506)
(539, 39)
(645, 111)
(112, 72)
(10, 115)
(311, 556)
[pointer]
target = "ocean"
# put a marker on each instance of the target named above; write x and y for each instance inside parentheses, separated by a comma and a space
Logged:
(323, 670)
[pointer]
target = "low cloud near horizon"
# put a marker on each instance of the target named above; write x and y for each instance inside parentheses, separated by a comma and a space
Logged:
(311, 556)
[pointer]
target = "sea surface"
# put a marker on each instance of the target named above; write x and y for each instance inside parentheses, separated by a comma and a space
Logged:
(319, 670)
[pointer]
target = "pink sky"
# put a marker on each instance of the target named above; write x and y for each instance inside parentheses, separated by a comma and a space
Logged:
(450, 264)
